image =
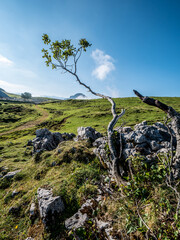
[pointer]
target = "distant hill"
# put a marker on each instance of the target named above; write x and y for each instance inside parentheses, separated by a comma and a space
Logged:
(3, 94)
(78, 96)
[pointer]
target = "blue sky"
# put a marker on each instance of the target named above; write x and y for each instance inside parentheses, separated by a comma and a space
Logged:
(135, 45)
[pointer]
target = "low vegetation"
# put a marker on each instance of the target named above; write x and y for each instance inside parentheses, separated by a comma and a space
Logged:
(13, 115)
(73, 172)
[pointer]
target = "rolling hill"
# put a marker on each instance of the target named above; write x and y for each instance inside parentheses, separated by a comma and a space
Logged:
(73, 172)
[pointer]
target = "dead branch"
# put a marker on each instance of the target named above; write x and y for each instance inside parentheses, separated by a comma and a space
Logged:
(175, 122)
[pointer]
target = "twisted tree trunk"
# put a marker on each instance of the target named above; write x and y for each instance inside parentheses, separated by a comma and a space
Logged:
(175, 121)
(116, 167)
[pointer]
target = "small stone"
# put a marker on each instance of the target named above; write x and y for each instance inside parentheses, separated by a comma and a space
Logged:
(32, 210)
(14, 193)
(11, 174)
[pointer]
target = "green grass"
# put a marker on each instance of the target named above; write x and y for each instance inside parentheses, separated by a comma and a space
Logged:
(13, 115)
(67, 116)
(75, 175)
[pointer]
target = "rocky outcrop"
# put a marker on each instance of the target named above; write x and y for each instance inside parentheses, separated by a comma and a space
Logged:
(46, 140)
(87, 133)
(80, 219)
(49, 207)
(146, 140)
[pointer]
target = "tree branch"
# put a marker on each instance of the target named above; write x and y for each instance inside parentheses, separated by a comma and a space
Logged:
(152, 102)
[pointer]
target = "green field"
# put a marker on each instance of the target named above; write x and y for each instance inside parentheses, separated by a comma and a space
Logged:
(74, 177)
(67, 116)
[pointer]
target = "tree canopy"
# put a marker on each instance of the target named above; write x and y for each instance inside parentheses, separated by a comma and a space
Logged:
(26, 95)
(62, 52)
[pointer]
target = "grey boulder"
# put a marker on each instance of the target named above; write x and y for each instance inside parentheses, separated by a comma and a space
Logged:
(46, 140)
(79, 219)
(49, 207)
(87, 133)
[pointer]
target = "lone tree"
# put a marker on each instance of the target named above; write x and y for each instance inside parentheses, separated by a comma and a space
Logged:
(26, 95)
(64, 55)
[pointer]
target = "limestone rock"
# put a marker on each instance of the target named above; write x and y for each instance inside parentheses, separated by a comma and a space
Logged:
(146, 140)
(14, 193)
(32, 210)
(154, 145)
(85, 133)
(78, 219)
(11, 174)
(49, 207)
(45, 140)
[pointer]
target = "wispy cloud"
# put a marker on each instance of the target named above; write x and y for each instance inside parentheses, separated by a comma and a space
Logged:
(113, 92)
(5, 61)
(104, 64)
(12, 87)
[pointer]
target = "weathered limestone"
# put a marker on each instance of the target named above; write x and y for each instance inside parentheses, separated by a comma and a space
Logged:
(11, 174)
(146, 140)
(87, 133)
(49, 207)
(45, 140)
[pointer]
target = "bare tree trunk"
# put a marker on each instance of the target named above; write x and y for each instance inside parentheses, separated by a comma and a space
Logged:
(116, 165)
(175, 121)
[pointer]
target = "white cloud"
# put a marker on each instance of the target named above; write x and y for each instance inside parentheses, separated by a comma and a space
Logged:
(12, 87)
(113, 92)
(104, 64)
(5, 61)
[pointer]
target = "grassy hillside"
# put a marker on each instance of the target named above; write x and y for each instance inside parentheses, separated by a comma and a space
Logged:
(70, 114)
(14, 114)
(75, 175)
